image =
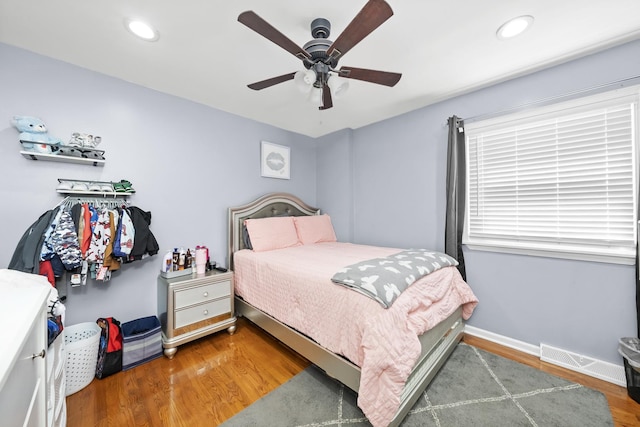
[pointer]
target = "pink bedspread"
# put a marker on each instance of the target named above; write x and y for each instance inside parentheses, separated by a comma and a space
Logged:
(294, 285)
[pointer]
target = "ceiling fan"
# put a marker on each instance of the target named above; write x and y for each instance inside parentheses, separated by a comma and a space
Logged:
(320, 56)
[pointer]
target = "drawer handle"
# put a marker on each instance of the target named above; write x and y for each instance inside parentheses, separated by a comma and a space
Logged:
(205, 294)
(42, 354)
(205, 312)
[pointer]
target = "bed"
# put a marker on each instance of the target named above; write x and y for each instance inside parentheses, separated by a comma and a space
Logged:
(384, 404)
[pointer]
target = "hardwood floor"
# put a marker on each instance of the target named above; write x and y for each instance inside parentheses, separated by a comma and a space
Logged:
(213, 378)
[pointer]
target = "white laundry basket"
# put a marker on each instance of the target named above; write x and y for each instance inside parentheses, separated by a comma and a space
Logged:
(81, 345)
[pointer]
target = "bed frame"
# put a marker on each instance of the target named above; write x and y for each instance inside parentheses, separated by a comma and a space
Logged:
(437, 344)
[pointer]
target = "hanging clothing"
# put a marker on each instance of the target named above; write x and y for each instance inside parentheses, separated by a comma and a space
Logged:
(94, 217)
(76, 215)
(83, 238)
(86, 230)
(65, 242)
(57, 266)
(26, 256)
(144, 241)
(47, 251)
(79, 221)
(47, 271)
(125, 235)
(110, 261)
(100, 239)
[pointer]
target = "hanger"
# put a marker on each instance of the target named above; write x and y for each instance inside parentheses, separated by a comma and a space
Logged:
(95, 202)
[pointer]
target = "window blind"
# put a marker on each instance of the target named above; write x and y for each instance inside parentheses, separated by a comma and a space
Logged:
(557, 181)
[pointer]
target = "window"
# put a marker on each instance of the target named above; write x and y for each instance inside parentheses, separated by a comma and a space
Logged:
(557, 181)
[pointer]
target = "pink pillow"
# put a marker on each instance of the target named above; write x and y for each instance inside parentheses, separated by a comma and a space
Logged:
(267, 234)
(314, 229)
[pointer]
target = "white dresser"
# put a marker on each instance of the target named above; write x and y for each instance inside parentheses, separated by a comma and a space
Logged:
(27, 395)
(56, 383)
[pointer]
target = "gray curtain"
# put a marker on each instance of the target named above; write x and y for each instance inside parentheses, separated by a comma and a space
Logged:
(638, 278)
(456, 174)
(638, 287)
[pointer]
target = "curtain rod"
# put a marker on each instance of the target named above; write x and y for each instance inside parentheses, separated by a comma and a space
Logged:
(594, 89)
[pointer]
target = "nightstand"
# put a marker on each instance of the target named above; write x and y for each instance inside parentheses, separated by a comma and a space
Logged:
(190, 307)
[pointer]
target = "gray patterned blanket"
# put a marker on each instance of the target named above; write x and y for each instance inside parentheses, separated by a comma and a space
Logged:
(384, 279)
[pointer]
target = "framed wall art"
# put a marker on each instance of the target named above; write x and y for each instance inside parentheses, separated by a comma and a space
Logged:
(276, 161)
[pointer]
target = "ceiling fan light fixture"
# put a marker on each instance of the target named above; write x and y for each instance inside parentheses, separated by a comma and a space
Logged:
(315, 96)
(310, 77)
(142, 30)
(304, 80)
(514, 27)
(338, 85)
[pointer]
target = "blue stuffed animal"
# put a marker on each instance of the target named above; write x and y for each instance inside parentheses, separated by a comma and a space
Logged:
(33, 130)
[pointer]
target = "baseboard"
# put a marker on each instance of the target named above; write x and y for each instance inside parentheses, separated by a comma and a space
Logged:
(585, 365)
(522, 346)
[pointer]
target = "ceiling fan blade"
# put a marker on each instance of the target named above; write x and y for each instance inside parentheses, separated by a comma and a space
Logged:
(272, 81)
(372, 76)
(372, 15)
(327, 102)
(262, 27)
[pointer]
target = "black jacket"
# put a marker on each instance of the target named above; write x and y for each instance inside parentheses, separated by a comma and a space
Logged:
(144, 241)
(26, 256)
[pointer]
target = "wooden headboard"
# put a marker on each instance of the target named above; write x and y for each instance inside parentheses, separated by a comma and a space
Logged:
(269, 205)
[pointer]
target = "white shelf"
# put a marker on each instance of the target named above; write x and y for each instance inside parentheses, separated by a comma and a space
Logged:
(70, 191)
(61, 158)
(94, 193)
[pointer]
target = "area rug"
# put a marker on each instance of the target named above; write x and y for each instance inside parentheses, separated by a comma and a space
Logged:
(473, 388)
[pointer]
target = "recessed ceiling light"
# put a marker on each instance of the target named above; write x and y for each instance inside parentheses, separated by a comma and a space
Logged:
(142, 30)
(514, 27)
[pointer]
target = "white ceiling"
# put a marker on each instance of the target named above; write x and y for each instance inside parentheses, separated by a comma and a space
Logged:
(204, 54)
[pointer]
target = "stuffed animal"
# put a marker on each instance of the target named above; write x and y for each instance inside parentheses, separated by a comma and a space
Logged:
(32, 132)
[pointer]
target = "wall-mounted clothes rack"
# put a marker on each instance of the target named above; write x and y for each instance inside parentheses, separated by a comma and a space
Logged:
(98, 202)
(87, 234)
(93, 188)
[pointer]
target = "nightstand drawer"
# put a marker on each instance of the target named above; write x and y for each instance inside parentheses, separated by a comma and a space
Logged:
(201, 312)
(198, 294)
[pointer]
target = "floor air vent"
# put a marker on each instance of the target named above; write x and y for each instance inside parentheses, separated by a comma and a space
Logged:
(583, 364)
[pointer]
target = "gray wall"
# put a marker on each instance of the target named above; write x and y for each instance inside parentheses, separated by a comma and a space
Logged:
(398, 168)
(382, 184)
(188, 163)
(335, 190)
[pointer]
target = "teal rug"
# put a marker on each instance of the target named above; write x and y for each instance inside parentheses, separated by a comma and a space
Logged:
(474, 388)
